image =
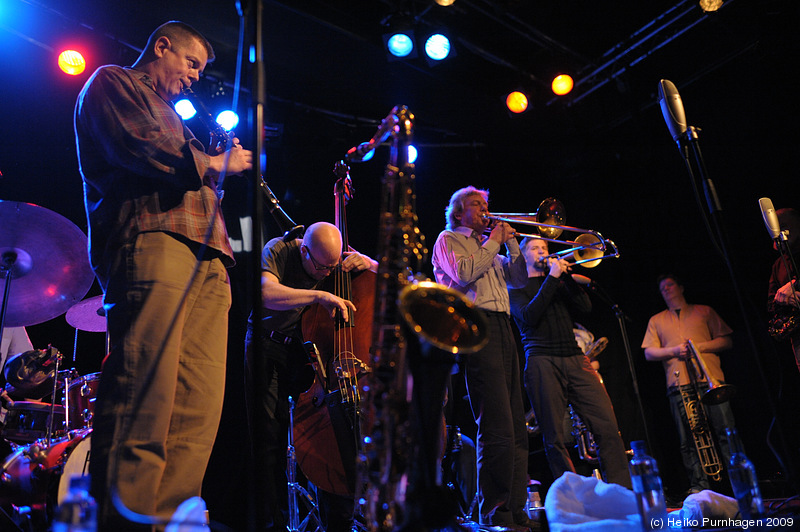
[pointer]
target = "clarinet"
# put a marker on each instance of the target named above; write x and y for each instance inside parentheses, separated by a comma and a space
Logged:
(217, 131)
(285, 223)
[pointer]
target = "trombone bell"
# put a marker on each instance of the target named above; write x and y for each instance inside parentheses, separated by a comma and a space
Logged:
(717, 392)
(590, 254)
(550, 212)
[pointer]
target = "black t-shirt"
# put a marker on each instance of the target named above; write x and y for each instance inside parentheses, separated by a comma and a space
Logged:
(282, 259)
(542, 310)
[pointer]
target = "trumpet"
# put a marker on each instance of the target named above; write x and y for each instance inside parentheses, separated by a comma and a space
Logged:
(587, 249)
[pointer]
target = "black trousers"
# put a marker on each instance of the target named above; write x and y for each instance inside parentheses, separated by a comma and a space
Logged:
(272, 374)
(495, 395)
(554, 382)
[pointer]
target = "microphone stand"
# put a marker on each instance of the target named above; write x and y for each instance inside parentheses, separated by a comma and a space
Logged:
(621, 318)
(689, 146)
(259, 155)
(252, 15)
(787, 257)
(295, 489)
(7, 263)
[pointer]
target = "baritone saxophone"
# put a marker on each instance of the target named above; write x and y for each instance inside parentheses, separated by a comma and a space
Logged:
(396, 461)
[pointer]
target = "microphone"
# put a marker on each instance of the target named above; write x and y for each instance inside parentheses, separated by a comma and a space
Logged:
(295, 232)
(672, 108)
(356, 154)
(770, 218)
(292, 230)
(582, 279)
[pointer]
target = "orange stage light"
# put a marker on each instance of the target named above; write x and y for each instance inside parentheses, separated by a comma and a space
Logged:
(562, 84)
(517, 102)
(71, 62)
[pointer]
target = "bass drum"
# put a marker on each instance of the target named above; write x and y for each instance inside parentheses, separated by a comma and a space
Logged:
(77, 464)
(28, 472)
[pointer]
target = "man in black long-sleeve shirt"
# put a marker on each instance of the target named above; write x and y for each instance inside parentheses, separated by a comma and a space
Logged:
(557, 372)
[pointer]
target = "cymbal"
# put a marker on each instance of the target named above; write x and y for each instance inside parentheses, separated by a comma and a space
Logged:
(30, 374)
(48, 260)
(88, 315)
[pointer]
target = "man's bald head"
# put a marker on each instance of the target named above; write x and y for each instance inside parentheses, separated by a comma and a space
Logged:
(325, 242)
(322, 249)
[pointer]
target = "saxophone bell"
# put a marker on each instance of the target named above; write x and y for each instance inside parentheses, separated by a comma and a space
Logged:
(443, 317)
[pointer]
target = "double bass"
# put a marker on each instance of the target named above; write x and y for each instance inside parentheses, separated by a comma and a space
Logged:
(326, 424)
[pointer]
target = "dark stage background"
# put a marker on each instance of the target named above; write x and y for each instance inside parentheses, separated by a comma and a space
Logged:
(605, 154)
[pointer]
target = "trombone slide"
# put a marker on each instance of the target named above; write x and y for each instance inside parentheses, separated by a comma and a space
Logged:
(588, 248)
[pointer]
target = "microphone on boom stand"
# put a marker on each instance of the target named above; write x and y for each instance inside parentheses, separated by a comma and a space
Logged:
(286, 224)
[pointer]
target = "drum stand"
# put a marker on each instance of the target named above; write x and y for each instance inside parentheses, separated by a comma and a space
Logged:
(296, 489)
(55, 355)
(451, 473)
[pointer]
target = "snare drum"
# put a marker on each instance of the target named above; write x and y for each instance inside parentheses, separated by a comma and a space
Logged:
(28, 421)
(81, 395)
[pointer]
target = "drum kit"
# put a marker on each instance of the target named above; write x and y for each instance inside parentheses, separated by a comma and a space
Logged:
(44, 273)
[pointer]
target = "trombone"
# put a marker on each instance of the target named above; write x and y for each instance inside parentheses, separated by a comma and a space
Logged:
(718, 392)
(588, 248)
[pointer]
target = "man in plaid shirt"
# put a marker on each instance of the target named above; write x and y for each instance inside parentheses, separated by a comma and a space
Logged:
(159, 248)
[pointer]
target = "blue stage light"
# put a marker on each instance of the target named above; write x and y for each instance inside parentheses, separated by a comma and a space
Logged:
(185, 109)
(228, 120)
(437, 46)
(400, 44)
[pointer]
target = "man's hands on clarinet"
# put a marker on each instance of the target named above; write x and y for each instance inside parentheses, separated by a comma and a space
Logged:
(238, 158)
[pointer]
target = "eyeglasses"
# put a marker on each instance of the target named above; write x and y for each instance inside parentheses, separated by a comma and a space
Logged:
(319, 266)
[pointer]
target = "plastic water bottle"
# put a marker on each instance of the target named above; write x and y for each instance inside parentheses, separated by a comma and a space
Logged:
(534, 505)
(743, 479)
(78, 511)
(647, 488)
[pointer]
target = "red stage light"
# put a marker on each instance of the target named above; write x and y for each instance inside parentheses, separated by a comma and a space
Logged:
(71, 62)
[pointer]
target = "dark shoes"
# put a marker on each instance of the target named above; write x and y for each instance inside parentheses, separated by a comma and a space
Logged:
(528, 525)
(534, 527)
(531, 524)
(504, 528)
